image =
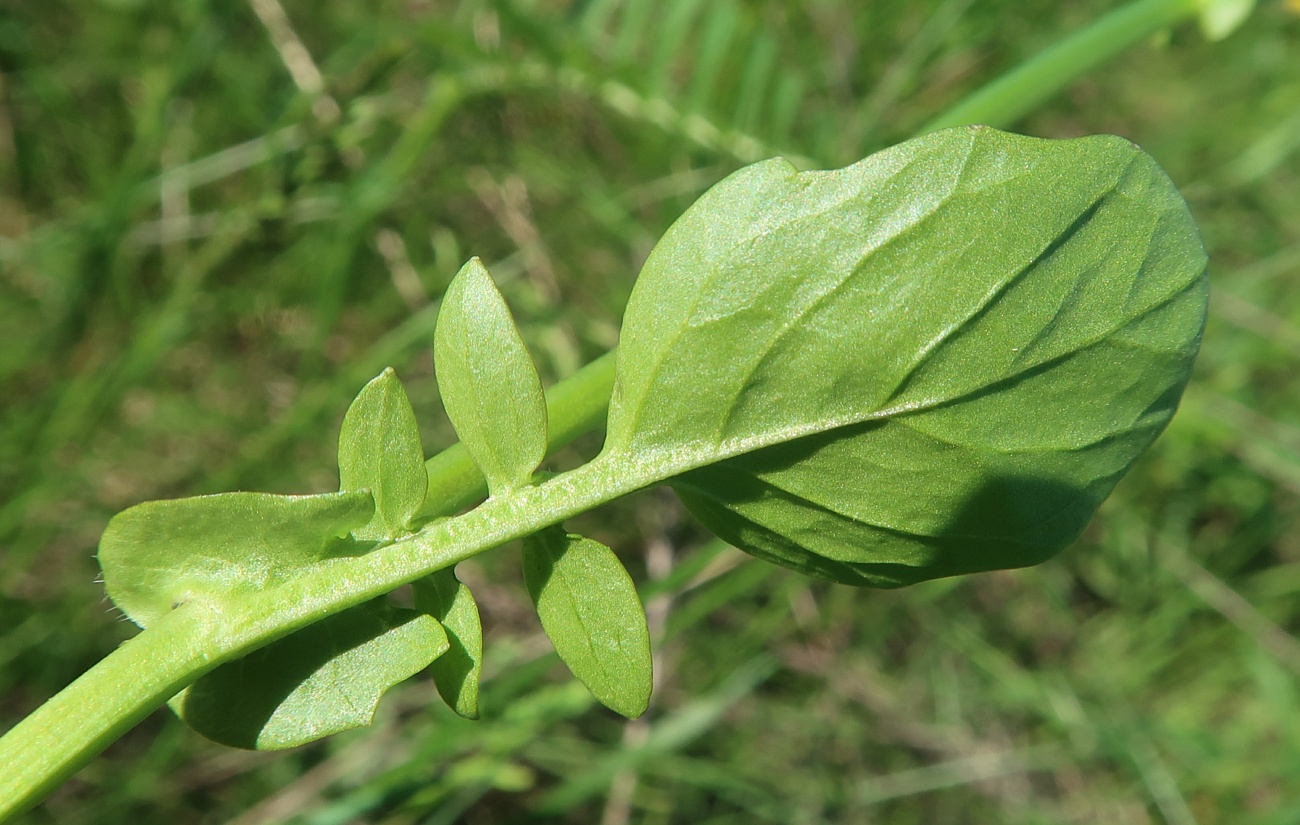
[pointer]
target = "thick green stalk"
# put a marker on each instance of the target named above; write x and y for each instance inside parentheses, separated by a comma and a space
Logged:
(70, 729)
(73, 727)
(80, 721)
(1021, 90)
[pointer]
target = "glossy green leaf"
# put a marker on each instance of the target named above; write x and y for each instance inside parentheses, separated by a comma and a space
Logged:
(380, 451)
(161, 554)
(456, 672)
(326, 678)
(936, 361)
(591, 613)
(488, 383)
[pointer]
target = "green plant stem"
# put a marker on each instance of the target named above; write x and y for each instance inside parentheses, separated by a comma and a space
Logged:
(76, 724)
(81, 720)
(71, 728)
(1018, 92)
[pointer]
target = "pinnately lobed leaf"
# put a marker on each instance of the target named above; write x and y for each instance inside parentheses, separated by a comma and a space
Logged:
(216, 549)
(936, 361)
(488, 383)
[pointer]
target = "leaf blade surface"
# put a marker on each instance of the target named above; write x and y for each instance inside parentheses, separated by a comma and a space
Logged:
(321, 680)
(882, 352)
(160, 554)
(457, 672)
(380, 451)
(489, 386)
(590, 610)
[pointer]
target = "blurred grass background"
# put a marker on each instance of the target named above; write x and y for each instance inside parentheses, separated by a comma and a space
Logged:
(217, 220)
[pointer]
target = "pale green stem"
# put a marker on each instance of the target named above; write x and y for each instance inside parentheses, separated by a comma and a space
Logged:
(70, 729)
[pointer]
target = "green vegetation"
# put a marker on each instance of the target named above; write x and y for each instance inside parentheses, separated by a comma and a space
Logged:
(936, 361)
(191, 325)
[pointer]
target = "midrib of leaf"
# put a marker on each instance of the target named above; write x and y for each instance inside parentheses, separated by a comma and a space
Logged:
(910, 422)
(671, 462)
(823, 508)
(729, 448)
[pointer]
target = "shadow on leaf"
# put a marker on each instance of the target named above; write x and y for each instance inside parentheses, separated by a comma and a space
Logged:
(843, 506)
(321, 680)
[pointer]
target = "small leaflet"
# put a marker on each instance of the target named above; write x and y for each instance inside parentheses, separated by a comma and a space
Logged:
(590, 610)
(456, 672)
(489, 385)
(159, 554)
(324, 679)
(380, 451)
